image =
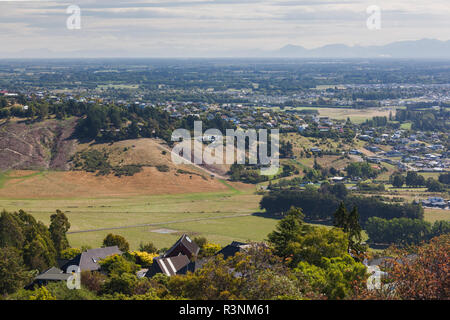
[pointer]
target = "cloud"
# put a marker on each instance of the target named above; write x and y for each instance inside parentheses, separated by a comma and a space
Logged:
(144, 27)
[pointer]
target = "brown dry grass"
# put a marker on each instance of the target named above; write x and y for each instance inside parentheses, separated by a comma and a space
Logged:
(76, 184)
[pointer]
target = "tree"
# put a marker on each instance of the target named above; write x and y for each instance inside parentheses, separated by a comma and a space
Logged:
(414, 180)
(434, 185)
(39, 253)
(200, 241)
(93, 280)
(362, 170)
(133, 130)
(30, 237)
(336, 277)
(423, 276)
(118, 264)
(349, 223)
(402, 231)
(116, 240)
(398, 180)
(339, 190)
(287, 231)
(317, 243)
(13, 275)
(42, 111)
(148, 247)
(214, 281)
(11, 233)
(120, 283)
(3, 103)
(59, 225)
(320, 255)
(341, 218)
(444, 178)
(355, 231)
(69, 253)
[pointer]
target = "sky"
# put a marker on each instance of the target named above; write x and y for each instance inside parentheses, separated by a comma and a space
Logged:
(176, 28)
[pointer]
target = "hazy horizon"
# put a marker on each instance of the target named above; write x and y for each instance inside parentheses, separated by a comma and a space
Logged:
(209, 28)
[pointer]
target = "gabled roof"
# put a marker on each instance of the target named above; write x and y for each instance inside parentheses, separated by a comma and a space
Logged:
(184, 246)
(88, 260)
(231, 249)
(54, 274)
(169, 266)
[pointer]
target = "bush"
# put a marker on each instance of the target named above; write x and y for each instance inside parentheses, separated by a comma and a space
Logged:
(70, 253)
(127, 170)
(142, 258)
(148, 247)
(117, 264)
(93, 280)
(116, 240)
(163, 168)
(209, 249)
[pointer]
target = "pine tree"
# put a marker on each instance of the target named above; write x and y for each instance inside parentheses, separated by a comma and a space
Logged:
(349, 223)
(287, 231)
(341, 218)
(59, 225)
(355, 228)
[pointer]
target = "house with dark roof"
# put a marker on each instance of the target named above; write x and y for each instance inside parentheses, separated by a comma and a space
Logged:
(184, 246)
(88, 260)
(169, 266)
(50, 275)
(231, 249)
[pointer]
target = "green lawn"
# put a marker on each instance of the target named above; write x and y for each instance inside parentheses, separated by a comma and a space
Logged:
(222, 231)
(219, 216)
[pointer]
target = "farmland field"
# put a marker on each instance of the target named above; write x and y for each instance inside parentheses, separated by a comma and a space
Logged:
(221, 216)
(432, 215)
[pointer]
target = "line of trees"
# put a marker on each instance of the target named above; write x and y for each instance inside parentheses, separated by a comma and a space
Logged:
(317, 205)
(27, 247)
(404, 231)
(413, 179)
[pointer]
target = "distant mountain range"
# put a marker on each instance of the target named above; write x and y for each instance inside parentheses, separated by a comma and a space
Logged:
(415, 49)
(425, 48)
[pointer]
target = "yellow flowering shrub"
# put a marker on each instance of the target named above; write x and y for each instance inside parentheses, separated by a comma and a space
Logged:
(41, 294)
(210, 249)
(144, 259)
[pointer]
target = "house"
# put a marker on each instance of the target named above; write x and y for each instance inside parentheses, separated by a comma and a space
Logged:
(373, 148)
(436, 202)
(169, 266)
(373, 160)
(355, 152)
(50, 275)
(364, 137)
(231, 249)
(89, 259)
(184, 246)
